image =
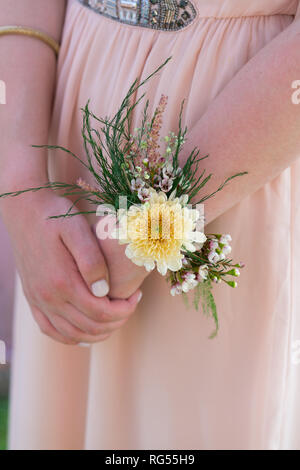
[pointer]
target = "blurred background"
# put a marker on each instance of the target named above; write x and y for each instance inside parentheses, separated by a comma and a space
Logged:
(7, 276)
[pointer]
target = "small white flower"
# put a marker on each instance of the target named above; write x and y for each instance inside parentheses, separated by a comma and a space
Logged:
(156, 181)
(190, 281)
(166, 184)
(144, 194)
(226, 249)
(225, 239)
(176, 289)
(213, 244)
(185, 287)
(213, 257)
(198, 237)
(167, 171)
(136, 184)
(203, 272)
(236, 272)
(188, 276)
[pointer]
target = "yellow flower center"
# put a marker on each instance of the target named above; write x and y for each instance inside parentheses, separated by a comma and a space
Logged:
(155, 232)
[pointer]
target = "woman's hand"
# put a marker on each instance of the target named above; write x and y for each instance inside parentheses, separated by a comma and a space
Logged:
(125, 276)
(60, 264)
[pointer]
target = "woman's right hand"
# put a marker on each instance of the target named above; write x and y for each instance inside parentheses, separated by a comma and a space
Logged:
(60, 264)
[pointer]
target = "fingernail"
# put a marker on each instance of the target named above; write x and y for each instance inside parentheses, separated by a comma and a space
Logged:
(100, 288)
(84, 345)
(140, 296)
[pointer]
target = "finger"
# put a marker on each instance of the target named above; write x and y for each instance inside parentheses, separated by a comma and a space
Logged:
(103, 310)
(87, 325)
(135, 298)
(88, 257)
(48, 329)
(119, 308)
(65, 328)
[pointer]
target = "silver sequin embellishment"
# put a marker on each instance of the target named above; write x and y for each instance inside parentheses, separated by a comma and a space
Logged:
(168, 15)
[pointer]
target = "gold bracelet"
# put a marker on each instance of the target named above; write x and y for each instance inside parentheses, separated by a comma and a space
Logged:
(32, 33)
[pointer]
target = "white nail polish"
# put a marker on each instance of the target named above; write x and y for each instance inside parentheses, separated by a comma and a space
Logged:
(140, 296)
(84, 345)
(100, 288)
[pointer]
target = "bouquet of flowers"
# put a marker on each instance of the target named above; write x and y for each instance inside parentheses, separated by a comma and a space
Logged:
(151, 195)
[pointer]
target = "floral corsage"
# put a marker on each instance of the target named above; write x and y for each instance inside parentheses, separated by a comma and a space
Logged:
(157, 201)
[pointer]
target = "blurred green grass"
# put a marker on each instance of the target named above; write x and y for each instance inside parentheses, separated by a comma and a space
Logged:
(3, 422)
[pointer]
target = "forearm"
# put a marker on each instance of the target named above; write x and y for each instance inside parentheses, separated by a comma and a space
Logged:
(252, 125)
(27, 66)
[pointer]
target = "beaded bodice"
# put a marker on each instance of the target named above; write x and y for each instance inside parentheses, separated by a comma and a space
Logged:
(169, 15)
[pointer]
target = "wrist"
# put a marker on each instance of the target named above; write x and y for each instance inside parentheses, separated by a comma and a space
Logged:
(19, 175)
(21, 167)
(24, 204)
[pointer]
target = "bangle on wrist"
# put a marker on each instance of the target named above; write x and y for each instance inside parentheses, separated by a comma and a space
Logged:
(31, 32)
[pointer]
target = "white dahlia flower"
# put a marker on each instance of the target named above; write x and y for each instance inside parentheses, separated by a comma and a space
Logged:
(157, 232)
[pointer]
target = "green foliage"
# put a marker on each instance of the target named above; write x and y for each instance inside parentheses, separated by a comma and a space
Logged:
(203, 293)
(185, 300)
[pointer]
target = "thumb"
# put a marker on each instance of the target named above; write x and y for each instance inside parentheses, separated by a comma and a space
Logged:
(83, 245)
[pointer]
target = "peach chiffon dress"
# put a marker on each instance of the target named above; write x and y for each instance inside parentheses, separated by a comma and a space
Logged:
(159, 382)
